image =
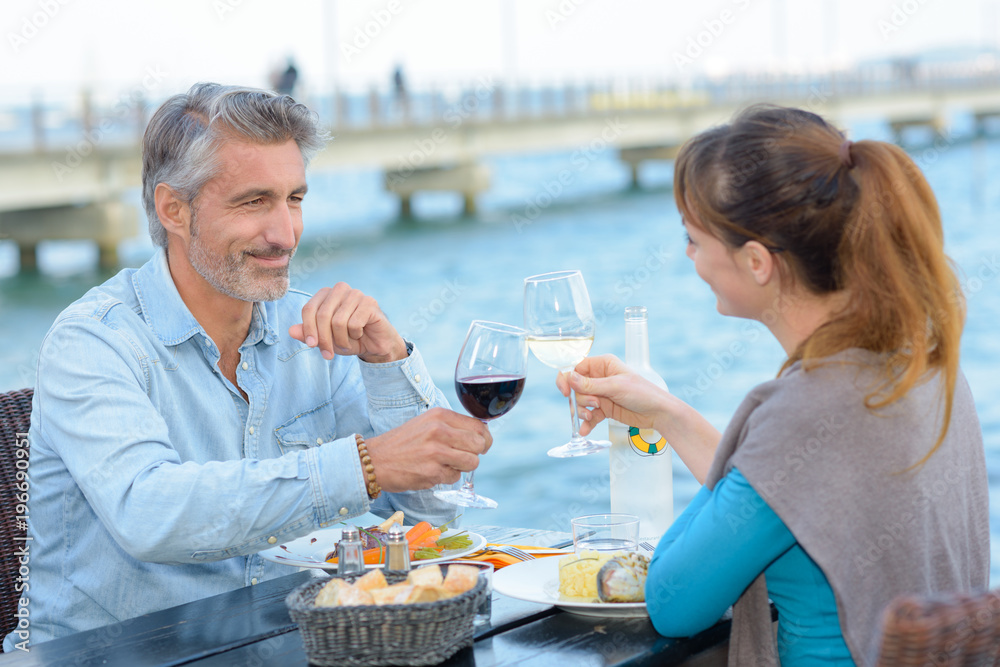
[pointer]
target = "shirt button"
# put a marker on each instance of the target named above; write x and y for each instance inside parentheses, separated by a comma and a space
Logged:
(245, 365)
(253, 582)
(319, 441)
(343, 511)
(272, 539)
(251, 430)
(416, 378)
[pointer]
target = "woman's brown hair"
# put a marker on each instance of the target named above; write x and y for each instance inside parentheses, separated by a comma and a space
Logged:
(858, 217)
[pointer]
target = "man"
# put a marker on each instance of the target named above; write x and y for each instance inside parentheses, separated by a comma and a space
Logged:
(193, 412)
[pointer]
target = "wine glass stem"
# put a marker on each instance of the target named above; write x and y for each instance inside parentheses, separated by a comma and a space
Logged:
(574, 414)
(468, 483)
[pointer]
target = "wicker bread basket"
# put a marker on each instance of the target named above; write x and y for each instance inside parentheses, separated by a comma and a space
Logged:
(423, 633)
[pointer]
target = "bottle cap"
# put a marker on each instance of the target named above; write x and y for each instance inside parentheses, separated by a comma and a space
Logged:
(350, 534)
(635, 312)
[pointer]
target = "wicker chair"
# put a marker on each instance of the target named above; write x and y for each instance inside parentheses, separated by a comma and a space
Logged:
(15, 415)
(955, 630)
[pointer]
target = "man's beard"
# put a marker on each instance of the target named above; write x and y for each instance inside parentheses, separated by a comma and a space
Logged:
(237, 274)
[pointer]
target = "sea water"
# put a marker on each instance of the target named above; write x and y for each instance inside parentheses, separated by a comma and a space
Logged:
(435, 274)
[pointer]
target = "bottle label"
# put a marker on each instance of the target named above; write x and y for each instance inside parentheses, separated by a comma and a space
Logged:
(644, 443)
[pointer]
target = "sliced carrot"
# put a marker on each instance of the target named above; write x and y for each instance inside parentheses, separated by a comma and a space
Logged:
(417, 531)
(371, 556)
(429, 538)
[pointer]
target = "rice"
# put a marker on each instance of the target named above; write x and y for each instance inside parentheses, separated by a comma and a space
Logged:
(578, 574)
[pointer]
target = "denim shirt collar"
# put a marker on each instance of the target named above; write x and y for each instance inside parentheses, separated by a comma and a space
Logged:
(168, 316)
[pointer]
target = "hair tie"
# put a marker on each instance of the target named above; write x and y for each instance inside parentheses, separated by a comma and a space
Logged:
(845, 154)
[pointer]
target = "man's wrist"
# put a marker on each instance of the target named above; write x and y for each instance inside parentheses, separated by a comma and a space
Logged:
(400, 350)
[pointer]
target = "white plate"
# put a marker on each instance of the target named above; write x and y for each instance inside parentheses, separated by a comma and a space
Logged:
(310, 550)
(538, 581)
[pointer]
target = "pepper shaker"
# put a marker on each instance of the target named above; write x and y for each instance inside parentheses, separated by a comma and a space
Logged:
(398, 557)
(350, 560)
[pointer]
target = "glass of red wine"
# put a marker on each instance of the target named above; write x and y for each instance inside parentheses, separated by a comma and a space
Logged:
(489, 378)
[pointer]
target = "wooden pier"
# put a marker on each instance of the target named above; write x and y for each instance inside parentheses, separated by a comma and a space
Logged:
(54, 189)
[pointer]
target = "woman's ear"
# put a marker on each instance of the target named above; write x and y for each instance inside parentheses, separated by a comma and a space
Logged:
(759, 261)
(174, 213)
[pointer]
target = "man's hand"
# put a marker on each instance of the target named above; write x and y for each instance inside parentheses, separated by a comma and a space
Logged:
(342, 320)
(435, 447)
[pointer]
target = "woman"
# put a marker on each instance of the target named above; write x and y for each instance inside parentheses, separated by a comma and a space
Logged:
(858, 474)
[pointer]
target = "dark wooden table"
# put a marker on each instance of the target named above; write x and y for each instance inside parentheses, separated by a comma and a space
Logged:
(250, 626)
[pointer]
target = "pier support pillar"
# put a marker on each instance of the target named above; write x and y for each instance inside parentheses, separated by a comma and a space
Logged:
(107, 224)
(28, 256)
(636, 156)
(469, 179)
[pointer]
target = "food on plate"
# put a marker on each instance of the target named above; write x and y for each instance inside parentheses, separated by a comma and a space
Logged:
(372, 588)
(623, 578)
(578, 574)
(582, 576)
(424, 540)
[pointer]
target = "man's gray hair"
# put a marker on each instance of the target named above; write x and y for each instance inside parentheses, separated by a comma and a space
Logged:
(180, 143)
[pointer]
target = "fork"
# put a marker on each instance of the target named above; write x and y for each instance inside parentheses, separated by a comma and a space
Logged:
(647, 546)
(512, 551)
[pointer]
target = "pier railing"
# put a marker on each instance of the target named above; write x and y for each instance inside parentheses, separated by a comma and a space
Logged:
(48, 122)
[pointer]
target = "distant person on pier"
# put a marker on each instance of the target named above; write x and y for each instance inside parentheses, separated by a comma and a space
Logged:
(858, 474)
(284, 81)
(399, 86)
(195, 411)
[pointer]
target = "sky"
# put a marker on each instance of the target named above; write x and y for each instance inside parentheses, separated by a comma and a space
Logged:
(62, 45)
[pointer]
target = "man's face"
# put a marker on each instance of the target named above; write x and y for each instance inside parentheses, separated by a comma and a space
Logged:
(246, 222)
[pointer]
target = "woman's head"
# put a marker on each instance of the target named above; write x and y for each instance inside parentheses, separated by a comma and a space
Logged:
(773, 175)
(855, 218)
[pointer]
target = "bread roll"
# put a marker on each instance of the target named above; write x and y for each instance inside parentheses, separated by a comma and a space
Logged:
(461, 578)
(350, 595)
(327, 596)
(371, 580)
(428, 575)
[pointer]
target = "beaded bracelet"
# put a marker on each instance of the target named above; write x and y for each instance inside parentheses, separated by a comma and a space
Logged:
(369, 469)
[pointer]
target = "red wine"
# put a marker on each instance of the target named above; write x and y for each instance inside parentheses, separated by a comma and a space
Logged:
(489, 396)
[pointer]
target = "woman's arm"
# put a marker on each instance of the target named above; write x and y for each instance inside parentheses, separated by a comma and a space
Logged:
(725, 538)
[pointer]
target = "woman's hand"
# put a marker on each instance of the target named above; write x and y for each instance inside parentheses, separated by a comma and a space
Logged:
(607, 388)
(613, 391)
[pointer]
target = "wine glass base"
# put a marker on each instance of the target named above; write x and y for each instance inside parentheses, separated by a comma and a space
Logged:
(466, 499)
(579, 448)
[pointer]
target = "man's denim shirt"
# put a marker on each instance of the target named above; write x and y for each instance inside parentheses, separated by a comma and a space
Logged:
(152, 481)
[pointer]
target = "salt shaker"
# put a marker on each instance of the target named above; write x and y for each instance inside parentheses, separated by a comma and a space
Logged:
(349, 557)
(398, 557)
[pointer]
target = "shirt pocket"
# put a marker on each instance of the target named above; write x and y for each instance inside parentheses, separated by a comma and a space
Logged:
(307, 429)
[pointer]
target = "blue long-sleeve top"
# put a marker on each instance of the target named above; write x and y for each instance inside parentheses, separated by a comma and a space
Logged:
(721, 542)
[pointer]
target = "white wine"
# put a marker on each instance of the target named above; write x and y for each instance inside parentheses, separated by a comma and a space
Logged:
(641, 468)
(560, 352)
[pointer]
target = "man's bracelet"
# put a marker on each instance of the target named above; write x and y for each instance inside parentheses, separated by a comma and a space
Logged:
(367, 467)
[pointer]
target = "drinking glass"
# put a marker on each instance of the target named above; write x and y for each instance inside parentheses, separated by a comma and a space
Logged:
(606, 532)
(489, 378)
(560, 324)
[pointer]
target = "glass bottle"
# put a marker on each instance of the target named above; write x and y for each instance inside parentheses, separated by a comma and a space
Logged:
(641, 468)
(397, 557)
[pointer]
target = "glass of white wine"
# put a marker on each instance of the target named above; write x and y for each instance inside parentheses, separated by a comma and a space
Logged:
(560, 324)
